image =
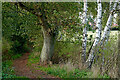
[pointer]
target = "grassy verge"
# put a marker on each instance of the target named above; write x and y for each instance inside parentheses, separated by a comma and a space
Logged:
(62, 72)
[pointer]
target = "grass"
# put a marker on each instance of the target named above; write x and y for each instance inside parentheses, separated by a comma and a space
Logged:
(63, 72)
(66, 71)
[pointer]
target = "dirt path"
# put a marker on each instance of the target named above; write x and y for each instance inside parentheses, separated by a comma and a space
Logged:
(21, 69)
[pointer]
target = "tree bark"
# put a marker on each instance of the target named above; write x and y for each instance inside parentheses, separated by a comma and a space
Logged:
(106, 32)
(48, 46)
(98, 34)
(105, 35)
(83, 56)
(48, 33)
(110, 8)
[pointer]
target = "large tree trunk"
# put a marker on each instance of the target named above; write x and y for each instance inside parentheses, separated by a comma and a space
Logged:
(48, 46)
(98, 34)
(83, 56)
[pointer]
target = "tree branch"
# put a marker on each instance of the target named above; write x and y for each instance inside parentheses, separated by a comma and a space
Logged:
(29, 9)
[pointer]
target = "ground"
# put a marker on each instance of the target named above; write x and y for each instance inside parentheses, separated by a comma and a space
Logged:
(22, 69)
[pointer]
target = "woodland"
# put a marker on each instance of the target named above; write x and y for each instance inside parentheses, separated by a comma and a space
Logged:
(62, 40)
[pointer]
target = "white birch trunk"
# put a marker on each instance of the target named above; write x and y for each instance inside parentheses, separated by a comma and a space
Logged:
(114, 19)
(98, 33)
(106, 32)
(83, 57)
(110, 8)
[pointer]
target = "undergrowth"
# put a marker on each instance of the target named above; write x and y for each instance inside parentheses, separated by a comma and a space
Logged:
(7, 61)
(63, 70)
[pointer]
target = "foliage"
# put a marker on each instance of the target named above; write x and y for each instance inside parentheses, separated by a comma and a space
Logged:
(13, 28)
(65, 51)
(22, 28)
(5, 45)
(7, 52)
(18, 44)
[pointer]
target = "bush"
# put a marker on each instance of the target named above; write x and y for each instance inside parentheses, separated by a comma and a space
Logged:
(5, 45)
(9, 51)
(18, 44)
(65, 51)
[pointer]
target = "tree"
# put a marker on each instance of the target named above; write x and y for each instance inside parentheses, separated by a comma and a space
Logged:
(51, 16)
(98, 33)
(12, 28)
(83, 56)
(105, 35)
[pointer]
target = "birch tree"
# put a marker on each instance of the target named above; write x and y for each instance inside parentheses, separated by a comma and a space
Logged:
(83, 58)
(106, 32)
(105, 35)
(110, 8)
(98, 33)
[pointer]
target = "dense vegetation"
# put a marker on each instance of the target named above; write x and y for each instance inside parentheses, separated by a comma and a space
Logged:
(54, 29)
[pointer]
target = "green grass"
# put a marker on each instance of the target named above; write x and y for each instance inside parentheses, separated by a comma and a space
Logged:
(62, 72)
(16, 56)
(103, 76)
(56, 70)
(63, 50)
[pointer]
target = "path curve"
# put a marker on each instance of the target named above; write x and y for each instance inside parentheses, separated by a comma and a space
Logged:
(21, 69)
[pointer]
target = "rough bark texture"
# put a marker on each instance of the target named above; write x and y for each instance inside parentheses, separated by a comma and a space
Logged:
(48, 46)
(83, 57)
(98, 34)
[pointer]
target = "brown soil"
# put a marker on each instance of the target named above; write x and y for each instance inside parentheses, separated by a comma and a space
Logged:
(22, 69)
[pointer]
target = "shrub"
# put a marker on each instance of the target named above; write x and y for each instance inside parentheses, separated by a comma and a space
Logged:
(18, 44)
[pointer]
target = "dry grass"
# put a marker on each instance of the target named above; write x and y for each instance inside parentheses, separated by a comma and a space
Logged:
(96, 72)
